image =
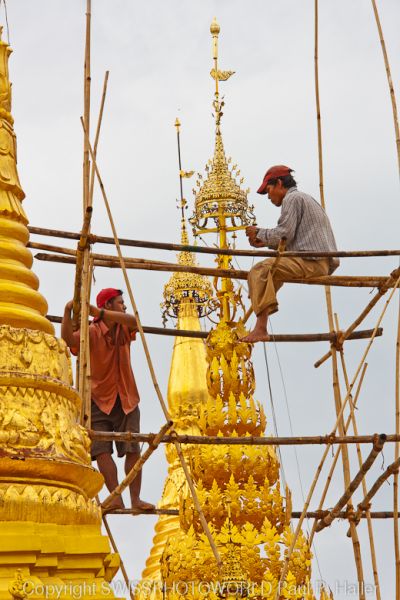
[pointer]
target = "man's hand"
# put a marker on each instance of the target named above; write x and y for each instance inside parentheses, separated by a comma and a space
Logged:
(251, 233)
(68, 306)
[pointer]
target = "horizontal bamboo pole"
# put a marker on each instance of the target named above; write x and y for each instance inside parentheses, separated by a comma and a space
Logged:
(128, 436)
(349, 491)
(316, 514)
(137, 467)
(113, 262)
(278, 337)
(202, 250)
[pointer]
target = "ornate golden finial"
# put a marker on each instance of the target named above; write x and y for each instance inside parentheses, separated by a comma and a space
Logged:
(186, 286)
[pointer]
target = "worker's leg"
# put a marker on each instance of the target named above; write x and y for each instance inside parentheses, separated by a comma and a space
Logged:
(264, 285)
(131, 422)
(108, 469)
(101, 452)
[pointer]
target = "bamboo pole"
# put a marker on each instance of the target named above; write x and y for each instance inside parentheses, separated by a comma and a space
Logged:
(70, 235)
(277, 337)
(391, 470)
(329, 306)
(316, 514)
(150, 364)
(382, 290)
(137, 467)
(349, 491)
(397, 384)
(337, 454)
(396, 457)
(149, 265)
(330, 439)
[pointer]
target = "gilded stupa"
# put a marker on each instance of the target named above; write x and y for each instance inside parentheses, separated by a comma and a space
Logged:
(50, 524)
(238, 485)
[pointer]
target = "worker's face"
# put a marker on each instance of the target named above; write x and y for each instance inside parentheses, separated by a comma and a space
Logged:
(276, 192)
(116, 304)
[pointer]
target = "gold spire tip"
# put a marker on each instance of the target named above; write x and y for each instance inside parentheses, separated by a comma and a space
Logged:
(214, 27)
(177, 123)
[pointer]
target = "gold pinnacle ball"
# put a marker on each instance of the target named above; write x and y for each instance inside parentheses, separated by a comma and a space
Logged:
(214, 27)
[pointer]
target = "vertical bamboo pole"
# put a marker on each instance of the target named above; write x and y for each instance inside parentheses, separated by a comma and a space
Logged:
(397, 385)
(83, 359)
(336, 389)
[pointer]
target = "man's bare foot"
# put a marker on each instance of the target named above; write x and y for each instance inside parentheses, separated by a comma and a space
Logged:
(116, 503)
(142, 505)
(257, 335)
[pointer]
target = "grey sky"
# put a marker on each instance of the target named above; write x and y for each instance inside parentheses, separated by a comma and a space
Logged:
(159, 57)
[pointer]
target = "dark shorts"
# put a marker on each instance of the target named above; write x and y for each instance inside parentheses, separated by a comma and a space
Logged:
(117, 420)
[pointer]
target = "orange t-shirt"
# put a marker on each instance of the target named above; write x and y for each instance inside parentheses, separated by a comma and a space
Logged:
(110, 366)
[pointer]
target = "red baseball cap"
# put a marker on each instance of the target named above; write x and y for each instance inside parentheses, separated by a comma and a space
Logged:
(105, 295)
(273, 173)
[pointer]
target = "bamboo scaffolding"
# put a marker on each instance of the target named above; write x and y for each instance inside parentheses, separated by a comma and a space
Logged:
(277, 337)
(70, 235)
(149, 265)
(329, 307)
(150, 364)
(397, 384)
(337, 453)
(313, 440)
(382, 290)
(363, 482)
(137, 467)
(321, 463)
(349, 491)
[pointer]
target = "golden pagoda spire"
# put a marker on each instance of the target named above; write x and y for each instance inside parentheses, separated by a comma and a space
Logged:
(238, 486)
(50, 524)
(21, 305)
(187, 296)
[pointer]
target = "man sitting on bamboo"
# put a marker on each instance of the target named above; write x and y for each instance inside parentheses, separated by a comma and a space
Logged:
(115, 397)
(304, 225)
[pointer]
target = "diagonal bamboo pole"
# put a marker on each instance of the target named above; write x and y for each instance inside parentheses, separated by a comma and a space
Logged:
(137, 467)
(349, 491)
(382, 290)
(335, 376)
(319, 468)
(115, 548)
(150, 364)
(397, 385)
(391, 470)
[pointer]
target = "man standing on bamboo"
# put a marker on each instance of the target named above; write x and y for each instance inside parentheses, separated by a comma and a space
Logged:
(304, 225)
(115, 397)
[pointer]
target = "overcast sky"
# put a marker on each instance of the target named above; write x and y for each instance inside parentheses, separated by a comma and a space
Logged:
(159, 57)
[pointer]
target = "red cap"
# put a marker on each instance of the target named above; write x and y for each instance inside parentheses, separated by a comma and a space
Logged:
(273, 173)
(105, 295)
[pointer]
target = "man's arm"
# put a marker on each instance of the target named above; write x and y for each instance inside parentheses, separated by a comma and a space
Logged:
(113, 316)
(286, 226)
(67, 330)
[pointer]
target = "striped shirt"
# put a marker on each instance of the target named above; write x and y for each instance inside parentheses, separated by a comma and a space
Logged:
(304, 224)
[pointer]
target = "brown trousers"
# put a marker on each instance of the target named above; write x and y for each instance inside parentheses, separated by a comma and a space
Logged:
(263, 285)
